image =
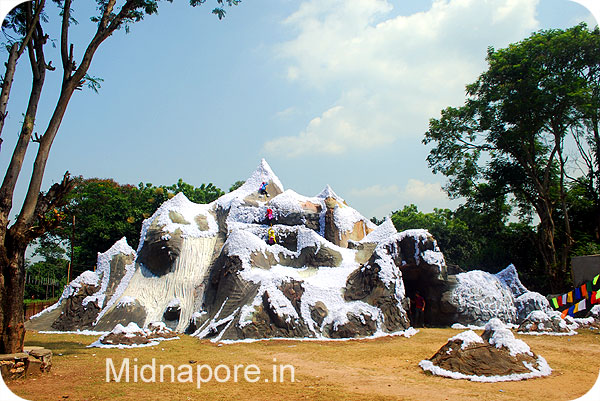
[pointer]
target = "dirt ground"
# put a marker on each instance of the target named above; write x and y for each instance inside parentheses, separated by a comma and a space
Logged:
(380, 369)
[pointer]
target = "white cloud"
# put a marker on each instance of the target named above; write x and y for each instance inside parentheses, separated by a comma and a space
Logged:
(390, 73)
(427, 195)
(286, 113)
(414, 189)
(334, 132)
(420, 190)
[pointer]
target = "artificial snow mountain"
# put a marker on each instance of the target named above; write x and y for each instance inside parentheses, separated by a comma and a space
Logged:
(209, 270)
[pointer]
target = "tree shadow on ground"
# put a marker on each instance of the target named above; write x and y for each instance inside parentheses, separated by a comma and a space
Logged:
(59, 348)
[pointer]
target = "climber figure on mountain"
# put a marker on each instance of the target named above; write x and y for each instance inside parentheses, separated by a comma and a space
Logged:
(269, 214)
(271, 234)
(263, 189)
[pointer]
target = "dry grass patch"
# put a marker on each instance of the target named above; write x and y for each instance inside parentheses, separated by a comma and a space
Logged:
(381, 369)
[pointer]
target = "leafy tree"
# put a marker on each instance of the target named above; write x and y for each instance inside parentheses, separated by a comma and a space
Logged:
(36, 216)
(510, 134)
(203, 194)
(582, 201)
(50, 271)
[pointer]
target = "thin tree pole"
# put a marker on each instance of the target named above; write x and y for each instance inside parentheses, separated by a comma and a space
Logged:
(71, 261)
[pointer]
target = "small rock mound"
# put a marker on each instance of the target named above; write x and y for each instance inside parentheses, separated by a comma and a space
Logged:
(595, 315)
(538, 322)
(528, 302)
(495, 356)
(132, 335)
(591, 321)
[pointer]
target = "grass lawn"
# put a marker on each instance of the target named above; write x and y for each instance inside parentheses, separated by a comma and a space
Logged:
(381, 369)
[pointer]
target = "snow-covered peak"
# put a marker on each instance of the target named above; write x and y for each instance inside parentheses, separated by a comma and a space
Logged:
(88, 277)
(510, 278)
(382, 232)
(328, 192)
(103, 269)
(187, 213)
(263, 173)
(121, 246)
(131, 329)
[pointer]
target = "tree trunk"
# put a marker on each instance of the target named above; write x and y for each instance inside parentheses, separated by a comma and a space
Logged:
(546, 246)
(568, 240)
(7, 83)
(596, 145)
(16, 162)
(12, 286)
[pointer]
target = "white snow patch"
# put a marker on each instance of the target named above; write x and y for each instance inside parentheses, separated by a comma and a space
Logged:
(595, 311)
(542, 370)
(382, 232)
(346, 217)
(125, 301)
(503, 337)
(467, 338)
(133, 330)
(288, 202)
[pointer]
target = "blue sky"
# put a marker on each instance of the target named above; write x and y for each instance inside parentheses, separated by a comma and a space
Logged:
(334, 92)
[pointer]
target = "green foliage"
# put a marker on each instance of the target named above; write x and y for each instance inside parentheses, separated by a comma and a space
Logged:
(583, 215)
(135, 11)
(218, 11)
(203, 194)
(49, 274)
(94, 83)
(236, 185)
(472, 238)
(452, 234)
